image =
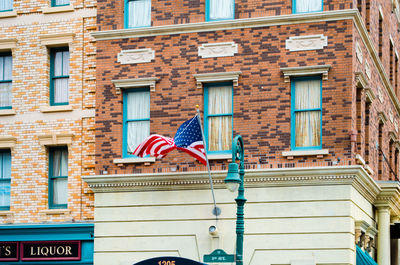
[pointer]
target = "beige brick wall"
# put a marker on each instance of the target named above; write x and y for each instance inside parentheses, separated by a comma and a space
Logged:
(31, 66)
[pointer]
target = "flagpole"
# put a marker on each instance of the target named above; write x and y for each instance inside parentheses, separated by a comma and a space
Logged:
(216, 210)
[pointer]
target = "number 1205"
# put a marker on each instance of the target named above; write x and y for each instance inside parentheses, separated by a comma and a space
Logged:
(166, 262)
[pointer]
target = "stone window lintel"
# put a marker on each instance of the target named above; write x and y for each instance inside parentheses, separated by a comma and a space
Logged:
(289, 72)
(217, 77)
(137, 82)
(55, 139)
(58, 39)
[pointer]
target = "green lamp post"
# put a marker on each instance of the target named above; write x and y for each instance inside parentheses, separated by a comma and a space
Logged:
(234, 180)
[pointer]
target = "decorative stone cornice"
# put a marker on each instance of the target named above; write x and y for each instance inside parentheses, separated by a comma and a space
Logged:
(289, 72)
(135, 83)
(55, 139)
(217, 77)
(389, 197)
(7, 44)
(338, 175)
(361, 80)
(57, 39)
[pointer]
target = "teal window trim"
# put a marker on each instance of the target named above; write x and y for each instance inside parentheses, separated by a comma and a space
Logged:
(127, 16)
(2, 55)
(208, 19)
(126, 121)
(206, 115)
(294, 111)
(54, 3)
(51, 178)
(294, 8)
(53, 52)
(4, 179)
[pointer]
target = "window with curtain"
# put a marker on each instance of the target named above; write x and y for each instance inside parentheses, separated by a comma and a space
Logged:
(6, 5)
(306, 113)
(137, 13)
(5, 80)
(220, 10)
(305, 6)
(58, 177)
(59, 2)
(59, 88)
(136, 119)
(5, 179)
(218, 117)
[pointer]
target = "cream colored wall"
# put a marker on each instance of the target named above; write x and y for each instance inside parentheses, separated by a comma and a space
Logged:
(283, 224)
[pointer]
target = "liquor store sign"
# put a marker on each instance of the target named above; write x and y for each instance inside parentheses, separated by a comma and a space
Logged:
(40, 250)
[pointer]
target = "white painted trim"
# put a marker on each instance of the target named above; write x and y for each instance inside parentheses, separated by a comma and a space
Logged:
(134, 160)
(57, 39)
(219, 157)
(55, 211)
(7, 44)
(225, 25)
(289, 72)
(306, 152)
(137, 82)
(57, 9)
(8, 14)
(61, 108)
(6, 213)
(55, 139)
(217, 77)
(7, 112)
(7, 142)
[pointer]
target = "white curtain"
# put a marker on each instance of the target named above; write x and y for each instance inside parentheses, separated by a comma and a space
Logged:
(60, 169)
(138, 108)
(6, 5)
(219, 127)
(308, 123)
(62, 2)
(61, 85)
(5, 179)
(308, 5)
(139, 13)
(221, 9)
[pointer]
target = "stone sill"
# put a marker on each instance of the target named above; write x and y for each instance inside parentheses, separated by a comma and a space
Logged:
(8, 14)
(220, 157)
(135, 160)
(318, 153)
(55, 211)
(7, 112)
(57, 9)
(46, 109)
(6, 213)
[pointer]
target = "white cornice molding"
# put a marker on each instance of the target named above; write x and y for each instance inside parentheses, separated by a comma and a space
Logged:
(7, 142)
(335, 175)
(7, 44)
(289, 72)
(137, 82)
(225, 25)
(217, 77)
(389, 196)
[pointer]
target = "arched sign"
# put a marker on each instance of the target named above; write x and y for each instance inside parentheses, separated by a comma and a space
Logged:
(169, 261)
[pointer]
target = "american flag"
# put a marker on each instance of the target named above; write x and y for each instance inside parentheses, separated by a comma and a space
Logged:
(188, 138)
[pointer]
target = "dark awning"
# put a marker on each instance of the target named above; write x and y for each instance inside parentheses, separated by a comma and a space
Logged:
(363, 258)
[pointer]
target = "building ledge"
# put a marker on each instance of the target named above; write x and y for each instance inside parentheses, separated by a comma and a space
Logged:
(55, 211)
(8, 14)
(219, 156)
(320, 152)
(135, 160)
(6, 213)
(7, 112)
(57, 9)
(46, 109)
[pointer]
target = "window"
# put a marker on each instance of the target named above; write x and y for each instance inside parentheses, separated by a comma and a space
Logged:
(59, 2)
(6, 5)
(306, 113)
(305, 6)
(218, 117)
(220, 10)
(136, 119)
(5, 80)
(59, 72)
(137, 13)
(5, 179)
(58, 177)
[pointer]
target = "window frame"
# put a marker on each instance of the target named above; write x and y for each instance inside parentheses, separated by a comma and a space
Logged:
(222, 19)
(2, 179)
(126, 15)
(206, 115)
(293, 112)
(6, 54)
(125, 121)
(8, 10)
(294, 8)
(53, 3)
(53, 52)
(51, 205)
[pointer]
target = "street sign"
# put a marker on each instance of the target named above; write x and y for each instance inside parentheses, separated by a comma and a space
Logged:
(169, 261)
(219, 256)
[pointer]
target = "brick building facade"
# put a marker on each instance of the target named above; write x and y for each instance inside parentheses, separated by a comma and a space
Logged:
(47, 121)
(343, 164)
